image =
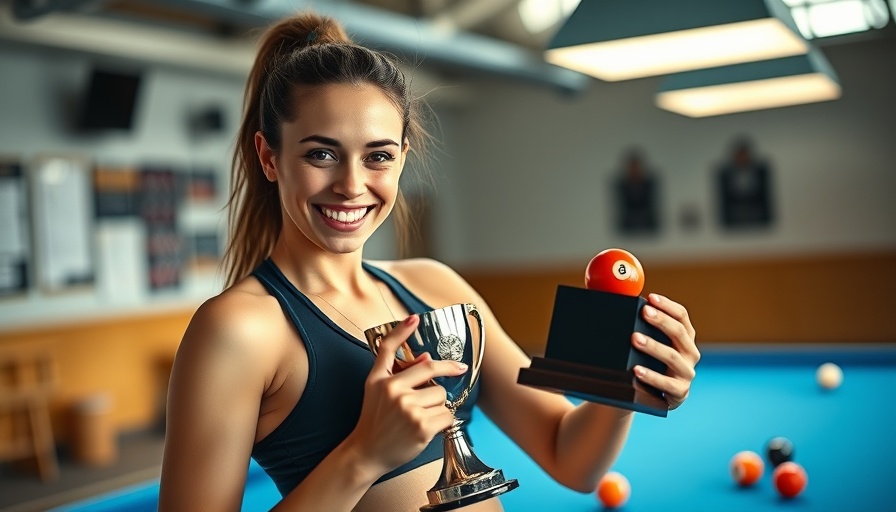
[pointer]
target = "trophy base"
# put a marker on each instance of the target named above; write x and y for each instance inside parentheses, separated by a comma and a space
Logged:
(600, 385)
(481, 488)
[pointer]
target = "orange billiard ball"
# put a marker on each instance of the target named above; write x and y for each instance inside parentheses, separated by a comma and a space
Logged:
(746, 468)
(790, 479)
(615, 271)
(613, 490)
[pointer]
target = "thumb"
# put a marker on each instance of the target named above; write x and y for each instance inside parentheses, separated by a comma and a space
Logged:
(389, 344)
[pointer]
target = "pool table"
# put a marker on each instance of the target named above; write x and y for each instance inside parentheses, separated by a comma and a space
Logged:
(742, 396)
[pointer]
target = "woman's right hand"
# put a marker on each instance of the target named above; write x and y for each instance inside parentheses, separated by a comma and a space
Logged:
(401, 411)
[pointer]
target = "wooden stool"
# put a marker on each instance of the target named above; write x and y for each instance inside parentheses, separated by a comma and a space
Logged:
(27, 378)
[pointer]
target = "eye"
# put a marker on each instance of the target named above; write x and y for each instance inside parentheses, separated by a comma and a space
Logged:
(320, 155)
(380, 157)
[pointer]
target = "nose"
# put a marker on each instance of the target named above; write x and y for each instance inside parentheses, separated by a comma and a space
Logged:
(350, 181)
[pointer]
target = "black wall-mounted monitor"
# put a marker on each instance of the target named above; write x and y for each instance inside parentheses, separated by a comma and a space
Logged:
(110, 101)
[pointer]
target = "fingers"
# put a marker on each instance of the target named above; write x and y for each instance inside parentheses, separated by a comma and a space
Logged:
(422, 404)
(388, 346)
(680, 359)
(426, 369)
(413, 374)
(674, 310)
(431, 420)
(675, 390)
(675, 386)
(673, 359)
(428, 397)
(672, 318)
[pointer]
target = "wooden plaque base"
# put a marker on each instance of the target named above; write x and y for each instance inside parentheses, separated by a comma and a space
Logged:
(608, 387)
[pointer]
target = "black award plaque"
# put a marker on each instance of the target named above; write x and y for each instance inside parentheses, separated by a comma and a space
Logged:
(589, 352)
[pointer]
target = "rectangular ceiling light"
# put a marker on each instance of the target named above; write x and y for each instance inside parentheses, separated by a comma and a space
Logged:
(750, 86)
(624, 39)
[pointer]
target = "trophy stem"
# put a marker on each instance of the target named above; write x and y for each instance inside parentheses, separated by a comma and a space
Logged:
(460, 461)
(465, 479)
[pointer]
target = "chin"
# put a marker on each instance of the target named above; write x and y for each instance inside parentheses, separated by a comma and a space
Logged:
(343, 247)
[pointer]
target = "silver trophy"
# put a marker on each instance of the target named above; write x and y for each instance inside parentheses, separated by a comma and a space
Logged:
(445, 334)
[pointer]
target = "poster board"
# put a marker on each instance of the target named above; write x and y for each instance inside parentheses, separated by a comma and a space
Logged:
(62, 216)
(15, 240)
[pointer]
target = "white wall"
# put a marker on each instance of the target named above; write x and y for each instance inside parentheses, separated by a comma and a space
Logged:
(530, 170)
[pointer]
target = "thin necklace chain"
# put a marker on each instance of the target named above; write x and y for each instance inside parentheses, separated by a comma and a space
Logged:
(383, 297)
(289, 252)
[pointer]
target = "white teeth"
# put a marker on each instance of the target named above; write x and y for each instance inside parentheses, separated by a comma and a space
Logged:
(347, 217)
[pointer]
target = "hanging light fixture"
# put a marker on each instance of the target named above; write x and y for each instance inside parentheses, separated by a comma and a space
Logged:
(773, 83)
(624, 39)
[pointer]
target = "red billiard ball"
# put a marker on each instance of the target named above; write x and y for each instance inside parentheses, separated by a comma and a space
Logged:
(615, 271)
(790, 479)
(746, 468)
(613, 490)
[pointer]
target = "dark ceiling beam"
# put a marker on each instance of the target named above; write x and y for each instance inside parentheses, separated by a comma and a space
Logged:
(32, 9)
(418, 41)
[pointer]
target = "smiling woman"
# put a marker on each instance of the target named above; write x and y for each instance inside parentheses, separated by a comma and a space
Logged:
(276, 368)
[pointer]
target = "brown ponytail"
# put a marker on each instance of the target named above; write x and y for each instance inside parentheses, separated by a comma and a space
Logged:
(305, 49)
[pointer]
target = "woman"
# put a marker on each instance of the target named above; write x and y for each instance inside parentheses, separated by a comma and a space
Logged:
(275, 368)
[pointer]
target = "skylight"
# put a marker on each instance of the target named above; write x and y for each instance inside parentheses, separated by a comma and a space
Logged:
(825, 18)
(815, 18)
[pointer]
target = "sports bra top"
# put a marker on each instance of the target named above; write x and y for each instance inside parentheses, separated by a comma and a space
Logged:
(329, 408)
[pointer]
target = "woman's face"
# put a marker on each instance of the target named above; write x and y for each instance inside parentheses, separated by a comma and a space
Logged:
(339, 164)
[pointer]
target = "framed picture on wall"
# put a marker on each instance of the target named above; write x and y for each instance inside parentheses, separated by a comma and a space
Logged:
(159, 201)
(744, 185)
(62, 215)
(15, 244)
(636, 194)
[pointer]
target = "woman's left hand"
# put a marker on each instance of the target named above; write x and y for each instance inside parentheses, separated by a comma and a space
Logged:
(680, 359)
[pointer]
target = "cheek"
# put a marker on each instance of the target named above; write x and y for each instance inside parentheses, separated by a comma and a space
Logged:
(385, 185)
(302, 182)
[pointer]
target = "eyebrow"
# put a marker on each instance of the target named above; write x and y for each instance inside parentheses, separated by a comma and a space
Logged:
(329, 141)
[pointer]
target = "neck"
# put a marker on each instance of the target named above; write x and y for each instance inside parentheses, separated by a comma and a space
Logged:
(341, 285)
(316, 271)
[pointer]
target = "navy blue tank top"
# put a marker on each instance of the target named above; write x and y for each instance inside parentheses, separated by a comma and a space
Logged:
(338, 365)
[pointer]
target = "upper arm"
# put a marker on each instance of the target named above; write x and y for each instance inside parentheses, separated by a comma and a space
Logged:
(500, 396)
(217, 382)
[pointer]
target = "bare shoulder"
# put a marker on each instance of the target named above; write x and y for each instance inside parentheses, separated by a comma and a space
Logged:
(433, 281)
(243, 325)
(224, 366)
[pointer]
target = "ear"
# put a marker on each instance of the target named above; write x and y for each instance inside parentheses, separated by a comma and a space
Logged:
(405, 147)
(266, 157)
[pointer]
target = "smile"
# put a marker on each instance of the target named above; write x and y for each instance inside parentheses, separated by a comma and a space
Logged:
(345, 216)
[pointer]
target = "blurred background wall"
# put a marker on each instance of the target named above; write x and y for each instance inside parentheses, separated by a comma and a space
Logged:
(524, 192)
(535, 170)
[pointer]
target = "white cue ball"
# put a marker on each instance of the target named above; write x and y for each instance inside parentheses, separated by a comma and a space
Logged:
(829, 376)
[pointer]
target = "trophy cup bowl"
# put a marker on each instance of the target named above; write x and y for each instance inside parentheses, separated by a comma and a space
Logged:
(445, 334)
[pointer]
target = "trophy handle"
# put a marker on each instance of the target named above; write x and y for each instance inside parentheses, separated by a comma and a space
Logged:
(474, 312)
